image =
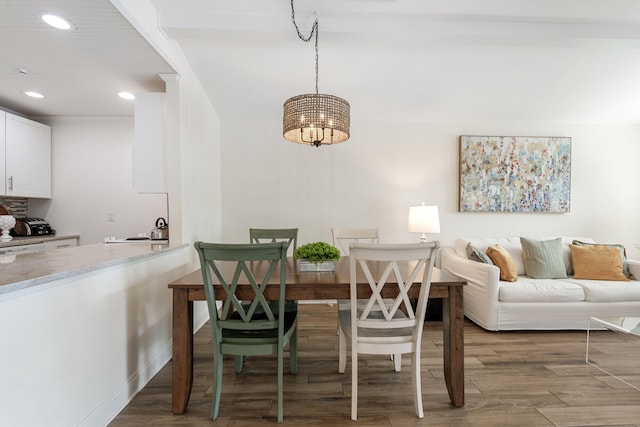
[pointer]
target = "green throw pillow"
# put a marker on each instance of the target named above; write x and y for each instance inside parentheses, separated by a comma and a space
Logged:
(477, 255)
(543, 259)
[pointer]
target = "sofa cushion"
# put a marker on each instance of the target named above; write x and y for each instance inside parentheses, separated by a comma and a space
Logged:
(597, 262)
(609, 291)
(477, 254)
(540, 290)
(623, 254)
(543, 259)
(502, 259)
(512, 245)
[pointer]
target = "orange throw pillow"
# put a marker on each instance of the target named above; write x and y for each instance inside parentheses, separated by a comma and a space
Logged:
(501, 258)
(597, 262)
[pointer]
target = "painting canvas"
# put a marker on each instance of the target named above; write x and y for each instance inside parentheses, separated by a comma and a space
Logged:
(515, 174)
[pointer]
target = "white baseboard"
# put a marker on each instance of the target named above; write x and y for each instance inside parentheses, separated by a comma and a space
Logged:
(120, 398)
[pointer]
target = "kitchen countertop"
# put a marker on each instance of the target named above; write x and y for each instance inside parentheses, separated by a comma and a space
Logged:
(30, 240)
(25, 271)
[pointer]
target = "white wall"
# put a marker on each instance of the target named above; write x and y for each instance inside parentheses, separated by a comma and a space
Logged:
(194, 174)
(201, 192)
(373, 178)
(91, 176)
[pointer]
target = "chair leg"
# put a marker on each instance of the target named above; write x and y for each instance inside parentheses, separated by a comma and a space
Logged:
(354, 383)
(238, 360)
(217, 371)
(293, 352)
(342, 352)
(397, 361)
(280, 382)
(417, 383)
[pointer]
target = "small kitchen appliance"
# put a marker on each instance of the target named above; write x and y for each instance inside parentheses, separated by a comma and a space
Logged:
(161, 230)
(32, 227)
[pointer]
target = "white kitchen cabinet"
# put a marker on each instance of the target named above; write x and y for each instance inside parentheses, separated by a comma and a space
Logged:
(27, 162)
(60, 243)
(3, 187)
(149, 146)
(46, 243)
(21, 250)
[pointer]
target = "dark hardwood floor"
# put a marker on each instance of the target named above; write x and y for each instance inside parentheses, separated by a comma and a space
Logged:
(511, 379)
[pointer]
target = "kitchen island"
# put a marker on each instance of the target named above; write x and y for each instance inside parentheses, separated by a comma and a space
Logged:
(84, 329)
(25, 271)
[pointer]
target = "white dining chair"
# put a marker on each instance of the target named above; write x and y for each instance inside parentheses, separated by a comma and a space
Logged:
(342, 237)
(375, 327)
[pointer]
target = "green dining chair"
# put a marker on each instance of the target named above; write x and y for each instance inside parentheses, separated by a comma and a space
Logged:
(248, 326)
(263, 235)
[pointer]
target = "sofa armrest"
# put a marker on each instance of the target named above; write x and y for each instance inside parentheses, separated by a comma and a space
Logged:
(481, 292)
(484, 275)
(634, 268)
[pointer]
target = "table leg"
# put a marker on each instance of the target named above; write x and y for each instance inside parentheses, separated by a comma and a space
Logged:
(182, 364)
(453, 330)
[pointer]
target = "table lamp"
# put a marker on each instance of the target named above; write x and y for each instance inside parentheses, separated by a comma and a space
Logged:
(423, 219)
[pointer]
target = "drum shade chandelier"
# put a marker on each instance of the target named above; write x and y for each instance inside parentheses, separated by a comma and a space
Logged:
(315, 118)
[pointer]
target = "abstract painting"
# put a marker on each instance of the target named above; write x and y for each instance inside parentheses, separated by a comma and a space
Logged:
(515, 174)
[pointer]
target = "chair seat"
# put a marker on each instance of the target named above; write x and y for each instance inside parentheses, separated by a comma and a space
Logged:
(266, 335)
(391, 336)
(289, 306)
(345, 304)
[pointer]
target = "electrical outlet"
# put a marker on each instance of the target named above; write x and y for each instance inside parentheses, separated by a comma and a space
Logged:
(111, 216)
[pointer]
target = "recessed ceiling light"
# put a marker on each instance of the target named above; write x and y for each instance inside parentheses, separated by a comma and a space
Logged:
(58, 22)
(33, 94)
(126, 95)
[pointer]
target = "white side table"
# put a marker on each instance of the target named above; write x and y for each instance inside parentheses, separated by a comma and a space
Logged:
(618, 354)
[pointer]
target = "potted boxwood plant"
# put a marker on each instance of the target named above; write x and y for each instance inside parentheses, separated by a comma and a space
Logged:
(317, 256)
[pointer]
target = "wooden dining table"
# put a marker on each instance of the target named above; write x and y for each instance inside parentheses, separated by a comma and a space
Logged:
(322, 286)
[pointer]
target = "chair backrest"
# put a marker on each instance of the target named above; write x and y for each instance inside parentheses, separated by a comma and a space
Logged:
(399, 266)
(240, 258)
(342, 237)
(263, 235)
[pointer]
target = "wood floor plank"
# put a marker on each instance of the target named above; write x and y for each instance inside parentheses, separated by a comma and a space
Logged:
(511, 379)
(600, 415)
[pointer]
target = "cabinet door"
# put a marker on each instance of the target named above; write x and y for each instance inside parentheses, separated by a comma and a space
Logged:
(28, 158)
(3, 189)
(149, 146)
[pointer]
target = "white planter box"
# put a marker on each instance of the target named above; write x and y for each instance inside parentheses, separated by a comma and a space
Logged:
(305, 265)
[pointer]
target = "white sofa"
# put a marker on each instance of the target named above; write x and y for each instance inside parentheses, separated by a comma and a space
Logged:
(537, 304)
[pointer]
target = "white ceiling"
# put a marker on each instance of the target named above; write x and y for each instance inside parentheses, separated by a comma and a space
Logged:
(81, 72)
(426, 60)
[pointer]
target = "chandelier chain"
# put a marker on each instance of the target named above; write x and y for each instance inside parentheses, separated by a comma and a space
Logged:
(314, 30)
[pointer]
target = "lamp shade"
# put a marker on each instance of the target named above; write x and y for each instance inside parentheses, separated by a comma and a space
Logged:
(424, 219)
(316, 119)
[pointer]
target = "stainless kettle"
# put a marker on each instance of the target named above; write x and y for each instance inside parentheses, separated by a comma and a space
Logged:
(161, 230)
